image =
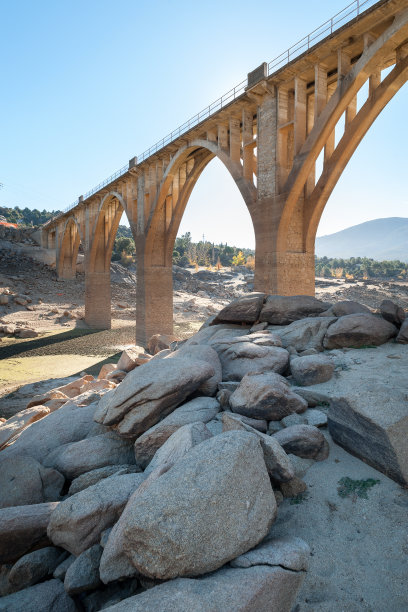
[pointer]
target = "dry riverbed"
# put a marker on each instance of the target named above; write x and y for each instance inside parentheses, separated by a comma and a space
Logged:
(66, 347)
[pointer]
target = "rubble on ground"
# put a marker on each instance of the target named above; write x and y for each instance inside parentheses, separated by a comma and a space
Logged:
(172, 482)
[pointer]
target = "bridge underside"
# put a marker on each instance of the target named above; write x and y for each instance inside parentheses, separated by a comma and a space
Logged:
(269, 139)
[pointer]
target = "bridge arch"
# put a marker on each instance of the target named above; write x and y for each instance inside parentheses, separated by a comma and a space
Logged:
(155, 247)
(365, 67)
(97, 279)
(68, 249)
(300, 200)
(106, 224)
(348, 144)
(186, 167)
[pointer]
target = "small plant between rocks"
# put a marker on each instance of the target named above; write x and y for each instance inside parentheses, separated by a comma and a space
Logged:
(355, 488)
(298, 499)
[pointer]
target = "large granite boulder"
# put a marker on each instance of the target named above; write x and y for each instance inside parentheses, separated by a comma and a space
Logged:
(392, 312)
(278, 464)
(90, 478)
(24, 481)
(77, 523)
(160, 342)
(284, 309)
(371, 421)
(178, 445)
(15, 424)
(311, 369)
(345, 307)
(257, 589)
(151, 392)
(267, 396)
(132, 357)
(402, 337)
(240, 358)
(210, 507)
(244, 309)
(35, 566)
(305, 334)
(83, 573)
(48, 596)
(202, 353)
(200, 409)
(359, 330)
(23, 528)
(208, 335)
(289, 552)
(80, 457)
(304, 441)
(68, 424)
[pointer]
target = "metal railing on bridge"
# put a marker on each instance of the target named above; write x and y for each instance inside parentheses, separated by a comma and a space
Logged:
(352, 10)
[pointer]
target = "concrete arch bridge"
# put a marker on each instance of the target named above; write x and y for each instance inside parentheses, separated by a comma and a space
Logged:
(285, 135)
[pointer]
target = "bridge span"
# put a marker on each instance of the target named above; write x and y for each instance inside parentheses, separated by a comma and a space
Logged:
(285, 135)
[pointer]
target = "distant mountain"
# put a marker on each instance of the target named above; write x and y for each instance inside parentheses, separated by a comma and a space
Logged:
(380, 239)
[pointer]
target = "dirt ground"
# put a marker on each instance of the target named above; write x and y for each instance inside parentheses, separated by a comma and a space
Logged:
(65, 346)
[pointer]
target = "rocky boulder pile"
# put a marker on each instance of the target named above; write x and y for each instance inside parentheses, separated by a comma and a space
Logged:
(155, 486)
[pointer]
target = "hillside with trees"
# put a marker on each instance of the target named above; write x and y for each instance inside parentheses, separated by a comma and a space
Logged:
(25, 217)
(360, 268)
(205, 253)
(186, 253)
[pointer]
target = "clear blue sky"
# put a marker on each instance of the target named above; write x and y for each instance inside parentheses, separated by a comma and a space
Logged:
(88, 84)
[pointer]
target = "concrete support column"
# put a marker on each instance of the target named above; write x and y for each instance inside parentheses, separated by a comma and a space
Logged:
(247, 145)
(343, 64)
(98, 299)
(329, 146)
(281, 264)
(320, 90)
(374, 81)
(68, 270)
(284, 272)
(235, 139)
(223, 137)
(351, 111)
(154, 300)
(267, 147)
(299, 114)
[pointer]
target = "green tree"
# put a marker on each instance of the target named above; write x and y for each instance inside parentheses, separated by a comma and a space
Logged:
(238, 259)
(124, 245)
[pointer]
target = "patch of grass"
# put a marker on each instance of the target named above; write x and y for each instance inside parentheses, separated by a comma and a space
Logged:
(324, 404)
(364, 346)
(355, 488)
(343, 366)
(298, 499)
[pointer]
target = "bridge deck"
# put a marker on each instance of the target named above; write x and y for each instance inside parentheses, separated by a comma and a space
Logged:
(318, 46)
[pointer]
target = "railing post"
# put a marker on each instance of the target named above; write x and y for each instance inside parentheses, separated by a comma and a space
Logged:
(358, 7)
